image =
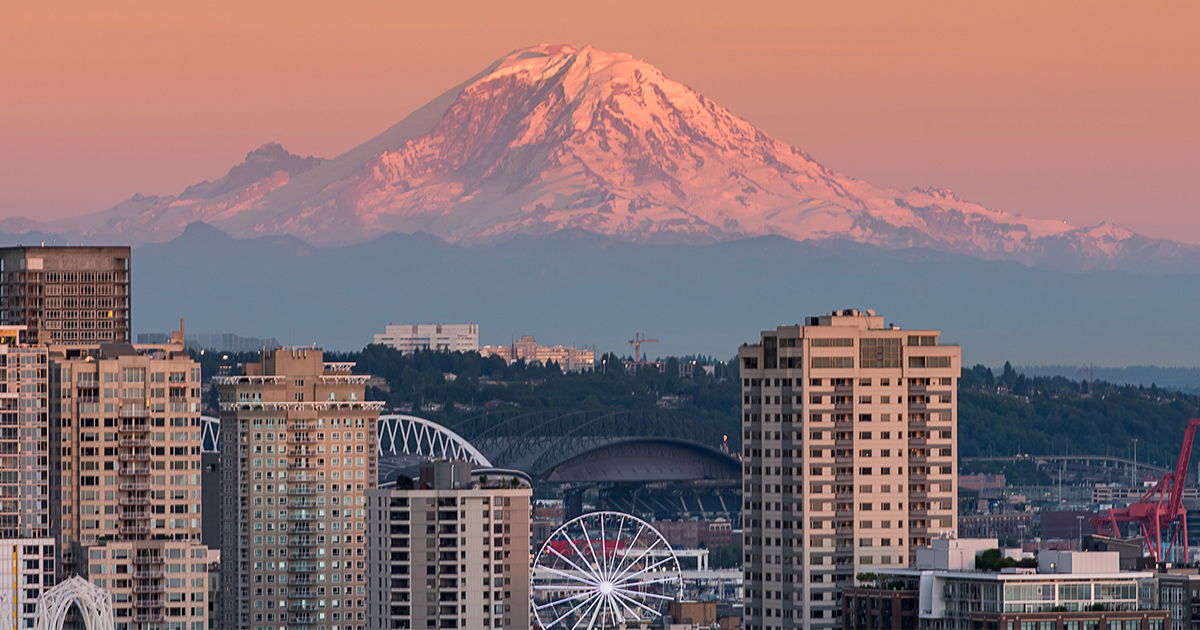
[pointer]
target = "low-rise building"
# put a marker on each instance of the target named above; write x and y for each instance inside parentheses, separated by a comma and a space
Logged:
(409, 338)
(568, 358)
(1069, 590)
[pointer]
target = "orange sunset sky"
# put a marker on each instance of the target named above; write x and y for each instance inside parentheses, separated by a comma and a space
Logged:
(1083, 111)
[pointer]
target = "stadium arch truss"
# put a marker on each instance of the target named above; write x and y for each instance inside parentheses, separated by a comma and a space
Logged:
(410, 435)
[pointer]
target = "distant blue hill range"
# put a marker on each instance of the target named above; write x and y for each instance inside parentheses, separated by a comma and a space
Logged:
(577, 287)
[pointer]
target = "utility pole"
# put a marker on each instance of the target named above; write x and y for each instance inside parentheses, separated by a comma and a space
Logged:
(1133, 481)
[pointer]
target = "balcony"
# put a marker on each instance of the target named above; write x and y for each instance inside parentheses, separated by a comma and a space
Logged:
(149, 588)
(135, 501)
(133, 442)
(133, 530)
(303, 503)
(147, 603)
(296, 541)
(300, 490)
(302, 580)
(130, 411)
(303, 517)
(133, 487)
(301, 439)
(148, 617)
(132, 471)
(147, 559)
(139, 515)
(300, 568)
(133, 428)
(134, 457)
(303, 606)
(147, 575)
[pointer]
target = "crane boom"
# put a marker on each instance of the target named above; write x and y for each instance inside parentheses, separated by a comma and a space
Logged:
(1159, 509)
(636, 342)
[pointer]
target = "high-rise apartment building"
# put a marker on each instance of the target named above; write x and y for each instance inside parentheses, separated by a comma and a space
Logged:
(849, 461)
(26, 571)
(66, 294)
(409, 338)
(125, 435)
(24, 437)
(448, 552)
(298, 449)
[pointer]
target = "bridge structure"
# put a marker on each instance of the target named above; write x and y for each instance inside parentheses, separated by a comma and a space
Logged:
(1090, 468)
(577, 446)
(540, 442)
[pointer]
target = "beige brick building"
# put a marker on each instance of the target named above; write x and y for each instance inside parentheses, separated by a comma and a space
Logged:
(298, 449)
(448, 553)
(849, 430)
(125, 486)
(66, 294)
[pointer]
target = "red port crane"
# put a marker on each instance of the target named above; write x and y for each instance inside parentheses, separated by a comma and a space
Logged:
(636, 342)
(1159, 511)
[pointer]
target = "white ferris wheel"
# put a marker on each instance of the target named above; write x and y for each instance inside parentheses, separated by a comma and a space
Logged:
(603, 570)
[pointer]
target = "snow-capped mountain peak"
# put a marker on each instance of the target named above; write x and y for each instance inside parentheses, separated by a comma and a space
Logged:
(555, 137)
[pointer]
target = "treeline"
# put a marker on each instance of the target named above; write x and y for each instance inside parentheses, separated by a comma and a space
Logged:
(999, 414)
(1010, 413)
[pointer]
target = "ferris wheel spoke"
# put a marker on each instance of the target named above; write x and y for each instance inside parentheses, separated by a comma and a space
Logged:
(633, 613)
(636, 603)
(563, 600)
(656, 564)
(592, 550)
(629, 585)
(595, 579)
(568, 613)
(620, 532)
(569, 576)
(578, 552)
(561, 587)
(631, 565)
(591, 612)
(603, 551)
(630, 593)
(625, 558)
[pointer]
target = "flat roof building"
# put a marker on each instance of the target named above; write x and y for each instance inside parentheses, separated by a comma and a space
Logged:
(298, 449)
(474, 573)
(410, 338)
(125, 422)
(66, 294)
(568, 358)
(849, 464)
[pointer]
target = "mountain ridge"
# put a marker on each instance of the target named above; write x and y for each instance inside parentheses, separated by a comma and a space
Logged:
(554, 137)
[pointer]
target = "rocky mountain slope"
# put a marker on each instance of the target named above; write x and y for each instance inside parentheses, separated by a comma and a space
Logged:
(556, 137)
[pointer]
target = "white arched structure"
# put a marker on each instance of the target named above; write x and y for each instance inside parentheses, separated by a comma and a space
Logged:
(410, 435)
(94, 603)
(210, 434)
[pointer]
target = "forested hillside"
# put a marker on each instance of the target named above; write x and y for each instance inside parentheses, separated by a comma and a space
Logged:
(1000, 414)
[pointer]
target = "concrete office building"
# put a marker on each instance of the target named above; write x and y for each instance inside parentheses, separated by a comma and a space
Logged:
(298, 449)
(24, 437)
(448, 553)
(125, 422)
(26, 571)
(409, 338)
(66, 294)
(849, 428)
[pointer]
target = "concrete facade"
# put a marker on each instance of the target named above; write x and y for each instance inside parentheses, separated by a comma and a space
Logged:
(125, 422)
(409, 338)
(298, 449)
(66, 294)
(24, 437)
(849, 463)
(27, 569)
(448, 554)
(568, 358)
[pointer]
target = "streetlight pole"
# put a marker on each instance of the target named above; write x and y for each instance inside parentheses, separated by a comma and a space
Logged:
(1133, 481)
(1079, 519)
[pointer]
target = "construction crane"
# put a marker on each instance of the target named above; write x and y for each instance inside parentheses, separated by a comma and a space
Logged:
(636, 342)
(1159, 511)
